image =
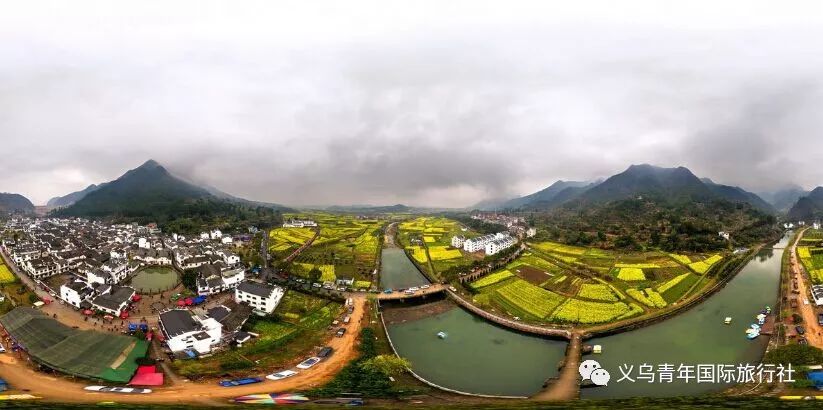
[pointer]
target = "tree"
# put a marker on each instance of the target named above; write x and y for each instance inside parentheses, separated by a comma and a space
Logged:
(315, 274)
(795, 354)
(389, 365)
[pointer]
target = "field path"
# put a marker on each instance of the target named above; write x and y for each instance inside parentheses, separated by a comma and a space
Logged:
(814, 332)
(15, 370)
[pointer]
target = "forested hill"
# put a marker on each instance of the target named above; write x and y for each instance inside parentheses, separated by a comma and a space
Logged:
(150, 193)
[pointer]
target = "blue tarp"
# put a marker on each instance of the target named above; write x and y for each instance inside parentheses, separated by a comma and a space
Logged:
(816, 377)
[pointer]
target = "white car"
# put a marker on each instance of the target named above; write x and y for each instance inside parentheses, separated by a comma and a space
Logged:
(414, 288)
(425, 286)
(281, 375)
(308, 363)
(108, 389)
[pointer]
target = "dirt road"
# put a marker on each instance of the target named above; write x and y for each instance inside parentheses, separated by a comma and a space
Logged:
(59, 389)
(814, 332)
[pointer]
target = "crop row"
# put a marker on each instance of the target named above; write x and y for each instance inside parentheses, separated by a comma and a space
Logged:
(491, 279)
(580, 311)
(529, 298)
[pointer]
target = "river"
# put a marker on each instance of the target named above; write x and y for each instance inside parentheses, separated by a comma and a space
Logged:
(479, 357)
(397, 271)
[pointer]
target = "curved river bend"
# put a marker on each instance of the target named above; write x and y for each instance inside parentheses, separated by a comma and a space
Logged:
(478, 357)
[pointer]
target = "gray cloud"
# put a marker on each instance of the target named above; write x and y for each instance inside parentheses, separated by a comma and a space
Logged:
(419, 103)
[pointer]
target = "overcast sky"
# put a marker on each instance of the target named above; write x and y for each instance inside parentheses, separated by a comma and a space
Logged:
(439, 103)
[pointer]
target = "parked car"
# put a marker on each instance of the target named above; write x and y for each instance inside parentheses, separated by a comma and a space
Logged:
(387, 291)
(820, 319)
(409, 292)
(240, 382)
(802, 341)
(325, 352)
(108, 389)
(414, 288)
(308, 363)
(800, 330)
(425, 286)
(341, 332)
(316, 285)
(281, 375)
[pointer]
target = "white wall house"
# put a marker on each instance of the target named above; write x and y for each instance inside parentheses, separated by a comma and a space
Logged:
(299, 223)
(479, 244)
(458, 240)
(498, 245)
(186, 331)
(263, 298)
(75, 293)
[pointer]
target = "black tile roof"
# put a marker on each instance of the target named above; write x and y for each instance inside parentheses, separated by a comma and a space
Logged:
(178, 321)
(256, 288)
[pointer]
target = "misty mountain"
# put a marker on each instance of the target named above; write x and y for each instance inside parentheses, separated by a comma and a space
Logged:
(558, 191)
(149, 193)
(224, 195)
(15, 203)
(73, 197)
(809, 207)
(667, 208)
(784, 199)
(665, 184)
(737, 194)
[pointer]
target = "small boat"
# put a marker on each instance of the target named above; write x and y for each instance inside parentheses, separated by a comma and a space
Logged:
(597, 349)
(761, 319)
(753, 332)
(728, 320)
(442, 335)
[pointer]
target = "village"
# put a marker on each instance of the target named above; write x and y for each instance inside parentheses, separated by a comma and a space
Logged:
(110, 273)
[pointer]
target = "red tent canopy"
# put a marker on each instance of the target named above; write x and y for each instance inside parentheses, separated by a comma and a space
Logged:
(189, 301)
(135, 298)
(181, 302)
(124, 315)
(87, 312)
(147, 379)
(108, 317)
(149, 368)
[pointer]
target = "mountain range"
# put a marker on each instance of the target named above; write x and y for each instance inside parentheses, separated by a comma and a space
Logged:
(150, 193)
(670, 184)
(809, 207)
(73, 197)
(15, 203)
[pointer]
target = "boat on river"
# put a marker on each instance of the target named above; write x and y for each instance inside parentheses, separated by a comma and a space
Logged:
(753, 332)
(442, 335)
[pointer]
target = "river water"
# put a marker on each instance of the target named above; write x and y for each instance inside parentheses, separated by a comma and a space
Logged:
(479, 357)
(397, 271)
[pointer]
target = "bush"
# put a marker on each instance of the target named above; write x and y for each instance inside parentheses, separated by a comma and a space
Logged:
(235, 365)
(33, 298)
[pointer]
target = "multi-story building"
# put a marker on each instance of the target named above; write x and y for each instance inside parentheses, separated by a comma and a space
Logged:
(262, 297)
(185, 331)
